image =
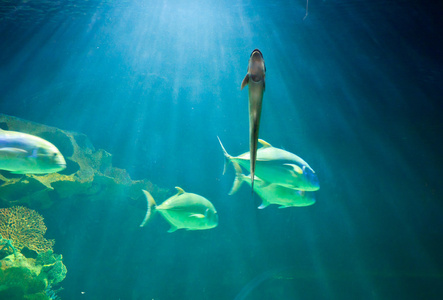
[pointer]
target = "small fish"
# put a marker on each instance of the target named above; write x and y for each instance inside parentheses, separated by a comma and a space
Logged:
(278, 166)
(22, 153)
(256, 80)
(184, 210)
(272, 193)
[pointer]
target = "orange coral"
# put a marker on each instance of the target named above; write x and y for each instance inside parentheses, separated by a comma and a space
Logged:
(25, 228)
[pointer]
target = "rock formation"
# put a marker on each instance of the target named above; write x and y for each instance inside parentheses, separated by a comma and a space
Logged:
(89, 172)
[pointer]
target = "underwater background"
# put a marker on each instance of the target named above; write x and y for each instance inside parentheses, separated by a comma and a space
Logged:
(354, 88)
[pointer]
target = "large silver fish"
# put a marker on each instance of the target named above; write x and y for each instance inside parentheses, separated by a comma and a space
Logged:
(278, 166)
(22, 153)
(184, 210)
(256, 80)
(272, 193)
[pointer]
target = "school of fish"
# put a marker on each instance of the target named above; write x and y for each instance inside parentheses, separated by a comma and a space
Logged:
(281, 177)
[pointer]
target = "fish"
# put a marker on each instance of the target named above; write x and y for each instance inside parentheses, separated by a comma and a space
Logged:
(255, 78)
(277, 166)
(272, 193)
(22, 153)
(183, 210)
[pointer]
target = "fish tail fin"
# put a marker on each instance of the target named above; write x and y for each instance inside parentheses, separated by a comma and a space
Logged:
(238, 178)
(227, 156)
(149, 211)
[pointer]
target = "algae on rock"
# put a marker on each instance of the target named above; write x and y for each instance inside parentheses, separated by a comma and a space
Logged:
(89, 172)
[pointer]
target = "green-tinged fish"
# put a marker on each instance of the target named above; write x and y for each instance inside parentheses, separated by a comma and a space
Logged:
(22, 153)
(184, 210)
(256, 80)
(278, 166)
(272, 193)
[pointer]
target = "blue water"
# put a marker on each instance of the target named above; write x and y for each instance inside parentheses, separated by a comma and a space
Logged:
(354, 89)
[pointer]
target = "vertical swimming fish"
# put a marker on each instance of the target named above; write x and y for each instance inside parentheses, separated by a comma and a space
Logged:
(256, 80)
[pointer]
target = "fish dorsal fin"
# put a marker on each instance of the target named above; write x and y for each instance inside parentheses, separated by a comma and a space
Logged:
(265, 144)
(179, 190)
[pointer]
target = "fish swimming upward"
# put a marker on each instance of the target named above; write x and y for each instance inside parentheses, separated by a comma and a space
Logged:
(184, 210)
(272, 193)
(278, 166)
(256, 80)
(22, 153)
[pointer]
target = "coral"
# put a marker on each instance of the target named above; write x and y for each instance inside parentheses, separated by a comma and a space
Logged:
(25, 228)
(53, 270)
(28, 278)
(20, 283)
(7, 245)
(20, 280)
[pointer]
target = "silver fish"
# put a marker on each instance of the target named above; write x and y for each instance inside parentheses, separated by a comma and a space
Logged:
(278, 166)
(256, 80)
(22, 153)
(184, 210)
(272, 193)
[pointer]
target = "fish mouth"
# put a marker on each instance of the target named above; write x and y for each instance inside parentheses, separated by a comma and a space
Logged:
(256, 52)
(257, 67)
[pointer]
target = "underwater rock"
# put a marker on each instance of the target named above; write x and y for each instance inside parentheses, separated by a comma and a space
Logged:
(28, 278)
(89, 172)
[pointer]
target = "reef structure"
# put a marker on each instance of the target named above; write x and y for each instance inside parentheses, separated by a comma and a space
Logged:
(23, 277)
(89, 173)
(24, 227)
(30, 278)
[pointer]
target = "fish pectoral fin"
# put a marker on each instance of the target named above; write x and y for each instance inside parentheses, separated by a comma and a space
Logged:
(264, 204)
(245, 81)
(295, 168)
(264, 143)
(284, 206)
(9, 151)
(179, 190)
(198, 216)
(173, 228)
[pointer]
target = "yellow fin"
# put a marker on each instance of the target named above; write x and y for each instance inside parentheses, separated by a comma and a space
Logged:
(265, 144)
(151, 203)
(179, 190)
(199, 216)
(296, 168)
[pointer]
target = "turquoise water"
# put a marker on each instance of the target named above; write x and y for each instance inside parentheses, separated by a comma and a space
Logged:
(354, 89)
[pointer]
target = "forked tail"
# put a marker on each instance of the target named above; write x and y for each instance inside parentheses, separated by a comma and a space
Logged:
(149, 211)
(239, 178)
(227, 156)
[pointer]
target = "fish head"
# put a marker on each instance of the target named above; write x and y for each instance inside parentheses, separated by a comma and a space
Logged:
(48, 158)
(211, 217)
(256, 67)
(305, 198)
(310, 180)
